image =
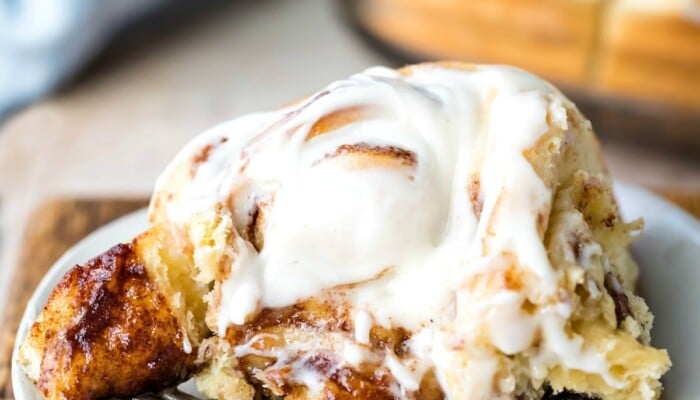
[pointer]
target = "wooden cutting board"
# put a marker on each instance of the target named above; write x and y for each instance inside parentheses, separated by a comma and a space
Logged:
(58, 224)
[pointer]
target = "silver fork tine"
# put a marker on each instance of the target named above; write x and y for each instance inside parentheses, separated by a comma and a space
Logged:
(167, 394)
(175, 394)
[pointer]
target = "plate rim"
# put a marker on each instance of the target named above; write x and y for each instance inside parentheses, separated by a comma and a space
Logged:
(688, 222)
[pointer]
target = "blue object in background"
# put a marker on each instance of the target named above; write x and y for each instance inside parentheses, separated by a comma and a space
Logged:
(43, 42)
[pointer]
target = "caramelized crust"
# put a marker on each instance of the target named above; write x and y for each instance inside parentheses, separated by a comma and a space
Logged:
(317, 320)
(339, 118)
(107, 331)
(366, 156)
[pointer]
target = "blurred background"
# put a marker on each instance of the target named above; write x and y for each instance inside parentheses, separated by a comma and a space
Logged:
(97, 96)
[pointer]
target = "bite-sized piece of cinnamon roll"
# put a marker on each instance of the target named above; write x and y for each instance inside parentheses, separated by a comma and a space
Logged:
(126, 322)
(438, 231)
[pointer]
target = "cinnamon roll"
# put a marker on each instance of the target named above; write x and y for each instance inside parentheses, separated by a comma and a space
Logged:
(438, 231)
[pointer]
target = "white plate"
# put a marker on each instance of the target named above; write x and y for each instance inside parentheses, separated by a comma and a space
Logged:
(668, 254)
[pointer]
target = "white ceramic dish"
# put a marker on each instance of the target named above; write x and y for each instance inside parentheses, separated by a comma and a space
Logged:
(668, 254)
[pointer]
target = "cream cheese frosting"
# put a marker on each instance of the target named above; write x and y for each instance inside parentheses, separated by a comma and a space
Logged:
(404, 212)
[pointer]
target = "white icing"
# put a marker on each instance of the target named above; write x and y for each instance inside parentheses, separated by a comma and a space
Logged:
(186, 345)
(308, 377)
(405, 234)
(363, 324)
(405, 377)
(354, 354)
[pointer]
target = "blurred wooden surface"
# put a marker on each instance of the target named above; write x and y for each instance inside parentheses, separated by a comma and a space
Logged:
(690, 201)
(110, 132)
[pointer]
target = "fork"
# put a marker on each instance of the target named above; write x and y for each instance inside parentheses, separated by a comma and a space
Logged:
(167, 394)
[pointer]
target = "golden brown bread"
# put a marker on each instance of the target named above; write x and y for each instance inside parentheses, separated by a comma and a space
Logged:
(110, 328)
